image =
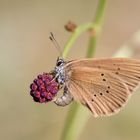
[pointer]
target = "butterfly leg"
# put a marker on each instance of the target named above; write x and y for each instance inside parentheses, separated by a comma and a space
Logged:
(65, 99)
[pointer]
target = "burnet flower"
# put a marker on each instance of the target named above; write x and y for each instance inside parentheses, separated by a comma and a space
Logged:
(44, 88)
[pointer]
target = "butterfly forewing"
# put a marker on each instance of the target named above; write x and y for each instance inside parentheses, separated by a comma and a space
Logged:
(103, 85)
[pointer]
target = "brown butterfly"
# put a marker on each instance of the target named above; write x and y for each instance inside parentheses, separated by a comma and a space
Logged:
(102, 85)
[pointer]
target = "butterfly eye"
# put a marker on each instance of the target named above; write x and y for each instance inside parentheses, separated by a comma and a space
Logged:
(59, 62)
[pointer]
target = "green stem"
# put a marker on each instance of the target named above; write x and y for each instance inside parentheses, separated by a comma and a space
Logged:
(75, 122)
(92, 47)
(98, 21)
(100, 12)
(77, 115)
(78, 31)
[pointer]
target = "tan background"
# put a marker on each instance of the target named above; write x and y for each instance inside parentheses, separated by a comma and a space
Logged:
(25, 51)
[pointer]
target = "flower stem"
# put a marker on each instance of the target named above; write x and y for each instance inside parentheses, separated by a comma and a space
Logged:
(77, 115)
(78, 31)
(98, 21)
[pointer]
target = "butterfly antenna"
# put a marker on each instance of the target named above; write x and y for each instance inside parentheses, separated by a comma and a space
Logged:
(56, 44)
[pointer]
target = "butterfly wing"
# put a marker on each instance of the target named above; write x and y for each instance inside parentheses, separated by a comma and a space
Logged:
(105, 85)
(125, 68)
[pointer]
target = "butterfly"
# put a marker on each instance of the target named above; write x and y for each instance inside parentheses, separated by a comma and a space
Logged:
(104, 86)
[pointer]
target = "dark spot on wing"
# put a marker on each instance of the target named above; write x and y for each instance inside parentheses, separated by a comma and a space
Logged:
(119, 105)
(101, 94)
(117, 72)
(104, 79)
(119, 69)
(102, 74)
(107, 91)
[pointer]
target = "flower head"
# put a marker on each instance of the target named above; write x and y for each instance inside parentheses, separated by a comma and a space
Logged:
(44, 88)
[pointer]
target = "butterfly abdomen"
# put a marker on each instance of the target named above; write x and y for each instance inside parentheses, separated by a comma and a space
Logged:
(65, 99)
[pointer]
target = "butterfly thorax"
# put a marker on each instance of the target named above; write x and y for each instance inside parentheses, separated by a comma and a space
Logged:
(59, 70)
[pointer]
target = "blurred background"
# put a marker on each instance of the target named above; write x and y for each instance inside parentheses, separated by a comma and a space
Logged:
(25, 51)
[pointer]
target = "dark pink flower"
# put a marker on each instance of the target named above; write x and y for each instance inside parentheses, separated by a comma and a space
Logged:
(44, 88)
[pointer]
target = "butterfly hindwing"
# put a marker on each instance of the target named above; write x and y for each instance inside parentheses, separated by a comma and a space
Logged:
(104, 93)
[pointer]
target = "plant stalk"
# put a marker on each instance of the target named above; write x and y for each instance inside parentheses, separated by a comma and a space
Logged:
(77, 115)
